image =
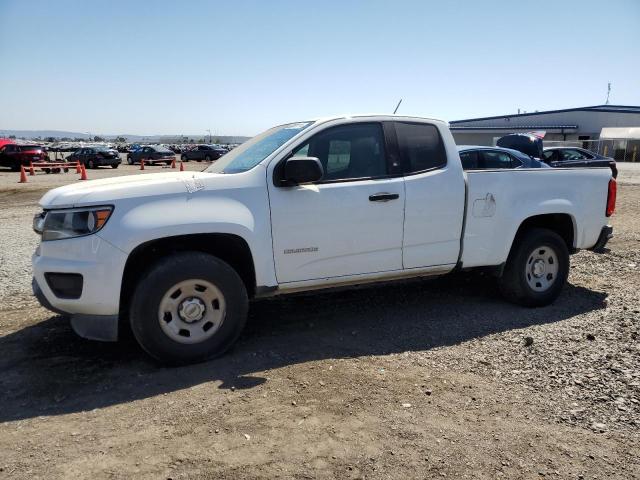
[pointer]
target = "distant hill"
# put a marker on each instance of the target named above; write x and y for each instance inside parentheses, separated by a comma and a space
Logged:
(58, 134)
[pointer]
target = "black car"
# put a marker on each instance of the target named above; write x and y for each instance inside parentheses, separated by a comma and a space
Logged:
(94, 157)
(492, 158)
(577, 157)
(151, 154)
(532, 145)
(204, 152)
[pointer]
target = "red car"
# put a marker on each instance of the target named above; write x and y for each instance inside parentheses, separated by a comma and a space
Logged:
(13, 155)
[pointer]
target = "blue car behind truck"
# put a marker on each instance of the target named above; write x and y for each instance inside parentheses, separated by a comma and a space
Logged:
(492, 158)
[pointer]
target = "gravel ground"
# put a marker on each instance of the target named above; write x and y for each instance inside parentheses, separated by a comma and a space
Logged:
(420, 379)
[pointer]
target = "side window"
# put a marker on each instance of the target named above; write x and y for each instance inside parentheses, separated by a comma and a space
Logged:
(421, 147)
(516, 162)
(469, 160)
(348, 151)
(570, 154)
(303, 151)
(492, 160)
(548, 155)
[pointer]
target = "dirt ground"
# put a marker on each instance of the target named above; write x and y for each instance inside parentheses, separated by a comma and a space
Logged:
(420, 379)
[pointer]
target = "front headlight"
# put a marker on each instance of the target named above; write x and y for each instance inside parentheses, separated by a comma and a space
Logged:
(70, 223)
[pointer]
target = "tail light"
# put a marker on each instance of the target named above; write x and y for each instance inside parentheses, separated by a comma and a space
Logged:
(611, 197)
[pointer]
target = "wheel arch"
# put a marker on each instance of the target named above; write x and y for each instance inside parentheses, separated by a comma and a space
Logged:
(563, 224)
(230, 248)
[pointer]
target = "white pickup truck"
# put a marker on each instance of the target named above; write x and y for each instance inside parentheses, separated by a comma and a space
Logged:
(326, 203)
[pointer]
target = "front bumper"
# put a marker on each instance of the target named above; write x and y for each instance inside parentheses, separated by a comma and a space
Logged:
(107, 161)
(94, 314)
(606, 234)
(93, 327)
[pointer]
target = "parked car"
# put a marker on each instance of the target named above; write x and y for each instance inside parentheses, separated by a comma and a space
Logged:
(13, 155)
(204, 152)
(491, 158)
(300, 207)
(94, 157)
(577, 157)
(151, 154)
(533, 146)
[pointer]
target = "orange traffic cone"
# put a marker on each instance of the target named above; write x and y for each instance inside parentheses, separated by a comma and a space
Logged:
(32, 172)
(173, 162)
(83, 172)
(181, 166)
(78, 169)
(141, 164)
(23, 175)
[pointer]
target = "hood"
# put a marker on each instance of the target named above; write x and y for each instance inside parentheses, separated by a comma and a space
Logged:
(110, 190)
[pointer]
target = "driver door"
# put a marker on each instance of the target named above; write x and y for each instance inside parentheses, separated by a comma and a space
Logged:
(348, 223)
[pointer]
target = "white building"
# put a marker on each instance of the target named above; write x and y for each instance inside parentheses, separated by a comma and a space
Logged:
(588, 127)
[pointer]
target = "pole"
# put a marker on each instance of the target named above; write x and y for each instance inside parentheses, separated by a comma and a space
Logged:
(397, 107)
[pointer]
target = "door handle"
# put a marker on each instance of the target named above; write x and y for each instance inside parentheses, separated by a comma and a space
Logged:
(383, 197)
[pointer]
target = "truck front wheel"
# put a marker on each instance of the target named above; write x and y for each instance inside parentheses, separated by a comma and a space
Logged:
(188, 307)
(537, 268)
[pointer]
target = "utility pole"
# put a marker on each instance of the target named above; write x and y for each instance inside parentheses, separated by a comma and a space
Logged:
(608, 93)
(209, 130)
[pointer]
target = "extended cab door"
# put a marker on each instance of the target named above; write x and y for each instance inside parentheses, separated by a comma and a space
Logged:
(435, 195)
(348, 223)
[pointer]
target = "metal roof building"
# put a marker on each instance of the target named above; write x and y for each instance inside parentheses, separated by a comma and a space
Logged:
(570, 124)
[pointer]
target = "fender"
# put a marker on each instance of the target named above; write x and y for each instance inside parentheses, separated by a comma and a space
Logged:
(203, 212)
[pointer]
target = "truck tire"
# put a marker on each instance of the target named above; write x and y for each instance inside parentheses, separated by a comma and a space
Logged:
(536, 270)
(187, 308)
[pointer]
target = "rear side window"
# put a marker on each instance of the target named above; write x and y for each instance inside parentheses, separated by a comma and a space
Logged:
(572, 155)
(493, 160)
(421, 146)
(469, 160)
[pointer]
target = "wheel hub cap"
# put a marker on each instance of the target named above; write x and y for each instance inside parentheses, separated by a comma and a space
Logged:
(538, 268)
(191, 309)
(542, 268)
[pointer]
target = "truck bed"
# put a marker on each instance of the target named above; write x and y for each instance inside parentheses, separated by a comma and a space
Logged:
(496, 199)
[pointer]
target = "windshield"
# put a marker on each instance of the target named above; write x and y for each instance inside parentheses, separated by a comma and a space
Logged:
(251, 153)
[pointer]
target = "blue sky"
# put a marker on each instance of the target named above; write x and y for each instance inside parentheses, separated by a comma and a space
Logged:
(238, 67)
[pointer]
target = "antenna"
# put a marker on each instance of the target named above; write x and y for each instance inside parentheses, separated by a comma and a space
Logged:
(397, 107)
(608, 93)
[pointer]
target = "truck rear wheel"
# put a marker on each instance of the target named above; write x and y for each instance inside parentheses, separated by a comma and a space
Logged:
(537, 268)
(188, 307)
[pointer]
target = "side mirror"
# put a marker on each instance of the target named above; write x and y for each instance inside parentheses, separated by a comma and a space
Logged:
(298, 170)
